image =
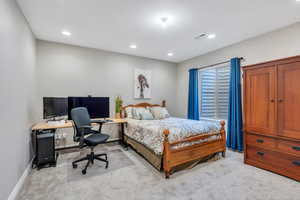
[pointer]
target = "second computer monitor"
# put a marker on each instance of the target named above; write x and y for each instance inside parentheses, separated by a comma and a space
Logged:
(98, 107)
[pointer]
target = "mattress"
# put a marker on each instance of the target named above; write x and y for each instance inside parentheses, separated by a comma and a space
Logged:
(150, 132)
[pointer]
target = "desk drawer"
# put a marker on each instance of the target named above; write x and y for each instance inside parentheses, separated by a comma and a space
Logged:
(274, 159)
(289, 147)
(260, 141)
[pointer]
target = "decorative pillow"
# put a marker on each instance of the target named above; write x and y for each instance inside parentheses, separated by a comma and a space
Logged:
(128, 112)
(136, 112)
(159, 112)
(165, 112)
(146, 116)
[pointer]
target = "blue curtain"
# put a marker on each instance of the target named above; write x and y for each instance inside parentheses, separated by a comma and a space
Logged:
(235, 121)
(193, 103)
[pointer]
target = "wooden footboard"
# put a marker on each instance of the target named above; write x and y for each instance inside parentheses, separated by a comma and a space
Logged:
(174, 157)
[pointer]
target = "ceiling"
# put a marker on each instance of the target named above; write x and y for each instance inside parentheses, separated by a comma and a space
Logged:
(113, 25)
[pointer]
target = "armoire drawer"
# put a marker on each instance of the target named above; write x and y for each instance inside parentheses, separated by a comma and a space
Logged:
(261, 155)
(289, 147)
(260, 141)
(274, 159)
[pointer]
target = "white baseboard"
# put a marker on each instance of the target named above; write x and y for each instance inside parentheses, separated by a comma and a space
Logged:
(13, 195)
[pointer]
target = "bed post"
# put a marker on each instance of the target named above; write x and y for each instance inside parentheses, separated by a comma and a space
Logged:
(223, 135)
(166, 155)
(163, 103)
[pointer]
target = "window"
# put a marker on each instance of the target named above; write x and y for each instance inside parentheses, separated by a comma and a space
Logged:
(214, 92)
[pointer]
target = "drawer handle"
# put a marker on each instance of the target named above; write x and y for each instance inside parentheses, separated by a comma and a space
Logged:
(297, 163)
(296, 148)
(260, 153)
(260, 141)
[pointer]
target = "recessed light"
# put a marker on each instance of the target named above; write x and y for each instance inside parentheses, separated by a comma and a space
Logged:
(170, 54)
(66, 33)
(211, 36)
(133, 46)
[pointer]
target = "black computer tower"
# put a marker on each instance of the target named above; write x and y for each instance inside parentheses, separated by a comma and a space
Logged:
(45, 149)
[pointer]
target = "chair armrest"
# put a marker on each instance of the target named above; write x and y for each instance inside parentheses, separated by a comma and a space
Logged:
(100, 122)
(81, 142)
(81, 138)
(85, 127)
(82, 128)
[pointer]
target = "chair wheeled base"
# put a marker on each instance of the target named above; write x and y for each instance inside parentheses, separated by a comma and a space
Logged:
(90, 160)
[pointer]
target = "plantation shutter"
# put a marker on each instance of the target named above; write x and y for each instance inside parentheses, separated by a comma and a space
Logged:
(214, 92)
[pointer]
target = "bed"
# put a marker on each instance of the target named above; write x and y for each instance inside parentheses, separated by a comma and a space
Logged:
(172, 142)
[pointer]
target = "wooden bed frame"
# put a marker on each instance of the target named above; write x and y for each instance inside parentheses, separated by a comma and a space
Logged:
(175, 157)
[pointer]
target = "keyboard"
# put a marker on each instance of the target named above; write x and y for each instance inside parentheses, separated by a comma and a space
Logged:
(101, 121)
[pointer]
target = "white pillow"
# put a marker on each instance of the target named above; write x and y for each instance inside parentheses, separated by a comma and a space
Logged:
(159, 112)
(146, 116)
(138, 111)
(165, 112)
(128, 112)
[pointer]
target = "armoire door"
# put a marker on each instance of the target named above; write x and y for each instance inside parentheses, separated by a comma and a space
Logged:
(260, 104)
(289, 100)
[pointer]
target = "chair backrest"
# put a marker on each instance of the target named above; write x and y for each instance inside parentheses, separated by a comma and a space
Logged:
(80, 117)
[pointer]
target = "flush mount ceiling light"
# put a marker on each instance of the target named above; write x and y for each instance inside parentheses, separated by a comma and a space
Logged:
(133, 46)
(66, 33)
(170, 54)
(164, 21)
(211, 36)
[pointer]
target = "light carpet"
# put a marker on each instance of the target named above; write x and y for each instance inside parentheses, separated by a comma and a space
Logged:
(130, 177)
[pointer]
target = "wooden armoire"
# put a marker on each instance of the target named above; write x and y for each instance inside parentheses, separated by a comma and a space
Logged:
(272, 116)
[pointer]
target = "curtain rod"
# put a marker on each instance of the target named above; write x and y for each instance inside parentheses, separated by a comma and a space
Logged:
(207, 66)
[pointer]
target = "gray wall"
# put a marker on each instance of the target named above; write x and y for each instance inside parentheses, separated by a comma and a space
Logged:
(17, 87)
(65, 70)
(278, 44)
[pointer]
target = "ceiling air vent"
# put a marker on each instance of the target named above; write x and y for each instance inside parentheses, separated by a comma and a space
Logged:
(200, 36)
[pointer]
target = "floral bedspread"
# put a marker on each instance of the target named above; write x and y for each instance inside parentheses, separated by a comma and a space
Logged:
(150, 132)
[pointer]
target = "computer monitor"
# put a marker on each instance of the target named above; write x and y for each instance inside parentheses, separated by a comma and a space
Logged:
(55, 107)
(98, 107)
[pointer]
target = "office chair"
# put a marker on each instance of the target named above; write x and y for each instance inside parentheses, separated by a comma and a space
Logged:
(82, 128)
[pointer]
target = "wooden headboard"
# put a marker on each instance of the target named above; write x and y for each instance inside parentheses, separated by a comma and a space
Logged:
(144, 104)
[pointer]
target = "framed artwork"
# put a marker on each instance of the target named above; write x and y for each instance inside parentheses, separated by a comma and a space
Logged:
(142, 84)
